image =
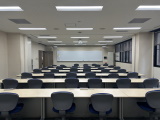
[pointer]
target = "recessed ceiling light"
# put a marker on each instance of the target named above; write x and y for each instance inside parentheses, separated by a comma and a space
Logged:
(80, 37)
(32, 28)
(100, 44)
(79, 8)
(79, 28)
(105, 41)
(47, 37)
(112, 37)
(80, 41)
(10, 8)
(148, 7)
(55, 41)
(127, 28)
(79, 44)
(59, 44)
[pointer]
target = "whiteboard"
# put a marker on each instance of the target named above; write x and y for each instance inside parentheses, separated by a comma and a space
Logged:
(79, 56)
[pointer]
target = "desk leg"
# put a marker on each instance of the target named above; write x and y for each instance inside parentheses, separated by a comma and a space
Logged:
(42, 108)
(121, 109)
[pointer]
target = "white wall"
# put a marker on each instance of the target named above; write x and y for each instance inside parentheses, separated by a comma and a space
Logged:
(4, 55)
(126, 66)
(104, 51)
(35, 53)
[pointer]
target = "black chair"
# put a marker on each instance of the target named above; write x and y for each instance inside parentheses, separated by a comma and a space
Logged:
(94, 64)
(86, 70)
(132, 75)
(105, 70)
(9, 104)
(48, 75)
(26, 75)
(73, 69)
(50, 67)
(71, 83)
(105, 64)
(113, 75)
(100, 68)
(35, 83)
(151, 83)
(90, 75)
(54, 71)
(152, 104)
(59, 67)
(111, 66)
(117, 67)
(63, 103)
(10, 83)
(76, 65)
(101, 104)
(85, 64)
(37, 71)
(122, 71)
(123, 83)
(63, 66)
(72, 75)
(95, 83)
(87, 67)
(97, 65)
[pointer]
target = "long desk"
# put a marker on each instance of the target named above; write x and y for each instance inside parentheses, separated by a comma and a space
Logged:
(94, 68)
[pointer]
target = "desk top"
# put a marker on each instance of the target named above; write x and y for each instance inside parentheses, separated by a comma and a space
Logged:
(94, 68)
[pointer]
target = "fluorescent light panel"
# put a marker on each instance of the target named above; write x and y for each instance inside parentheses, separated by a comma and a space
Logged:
(79, 44)
(127, 28)
(148, 7)
(10, 8)
(79, 8)
(55, 41)
(112, 37)
(79, 28)
(81, 41)
(105, 41)
(100, 44)
(59, 44)
(32, 28)
(47, 37)
(80, 37)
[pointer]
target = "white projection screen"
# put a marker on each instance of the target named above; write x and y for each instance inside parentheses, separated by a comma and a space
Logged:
(79, 56)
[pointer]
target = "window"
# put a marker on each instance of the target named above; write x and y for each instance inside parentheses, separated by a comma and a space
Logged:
(124, 51)
(157, 49)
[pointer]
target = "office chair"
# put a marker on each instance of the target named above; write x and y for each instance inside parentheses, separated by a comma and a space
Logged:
(100, 68)
(113, 75)
(105, 64)
(123, 83)
(90, 75)
(9, 104)
(94, 64)
(87, 67)
(35, 83)
(151, 83)
(37, 71)
(76, 65)
(48, 75)
(132, 75)
(85, 70)
(101, 104)
(71, 75)
(26, 75)
(10, 83)
(63, 66)
(111, 66)
(85, 64)
(95, 83)
(54, 71)
(122, 71)
(152, 104)
(105, 70)
(63, 103)
(50, 67)
(73, 69)
(97, 65)
(59, 67)
(71, 83)
(117, 67)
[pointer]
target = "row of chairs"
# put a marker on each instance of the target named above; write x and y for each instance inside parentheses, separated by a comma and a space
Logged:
(63, 102)
(74, 75)
(74, 83)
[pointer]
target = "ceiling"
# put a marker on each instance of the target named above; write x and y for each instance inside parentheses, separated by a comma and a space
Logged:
(115, 13)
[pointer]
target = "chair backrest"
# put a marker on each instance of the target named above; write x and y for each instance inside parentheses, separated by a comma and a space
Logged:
(94, 64)
(10, 83)
(62, 66)
(55, 71)
(117, 67)
(153, 98)
(100, 68)
(71, 83)
(122, 71)
(113, 75)
(72, 75)
(73, 69)
(95, 83)
(151, 83)
(102, 102)
(132, 75)
(35, 83)
(105, 70)
(85, 64)
(48, 75)
(123, 83)
(90, 75)
(111, 66)
(59, 67)
(37, 71)
(8, 101)
(86, 70)
(50, 67)
(105, 64)
(26, 75)
(76, 65)
(62, 100)
(97, 65)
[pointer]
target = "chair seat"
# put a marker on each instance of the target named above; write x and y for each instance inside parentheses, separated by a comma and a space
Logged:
(73, 107)
(18, 108)
(92, 110)
(145, 106)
